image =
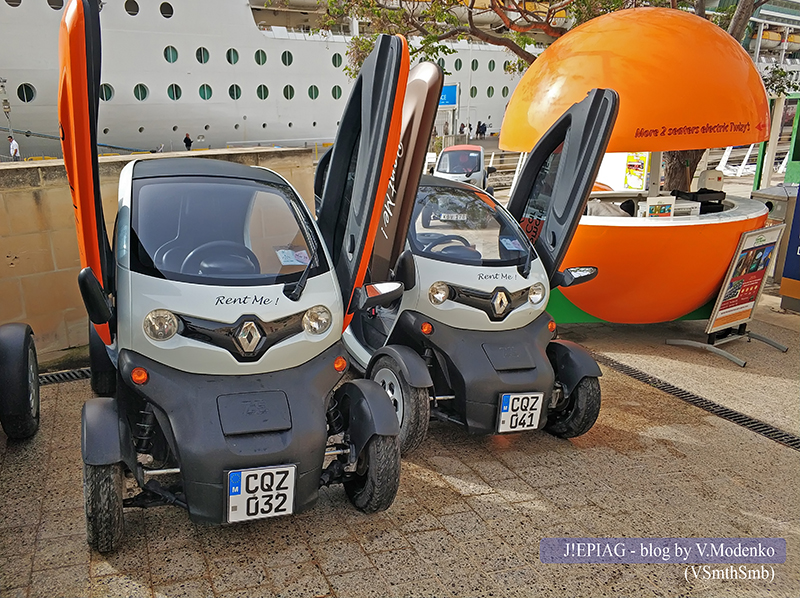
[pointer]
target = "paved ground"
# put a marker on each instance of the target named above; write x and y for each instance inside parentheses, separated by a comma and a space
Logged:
(467, 521)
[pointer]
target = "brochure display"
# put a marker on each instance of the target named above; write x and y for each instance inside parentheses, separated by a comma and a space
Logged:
(740, 292)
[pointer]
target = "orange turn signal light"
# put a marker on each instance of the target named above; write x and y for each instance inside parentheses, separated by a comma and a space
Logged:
(340, 364)
(426, 328)
(551, 326)
(139, 376)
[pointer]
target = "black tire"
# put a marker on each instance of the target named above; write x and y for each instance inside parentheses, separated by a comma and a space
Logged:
(19, 382)
(103, 373)
(377, 475)
(102, 501)
(579, 413)
(412, 405)
(427, 213)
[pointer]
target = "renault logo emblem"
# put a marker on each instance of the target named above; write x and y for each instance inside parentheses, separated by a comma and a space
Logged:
(500, 303)
(247, 337)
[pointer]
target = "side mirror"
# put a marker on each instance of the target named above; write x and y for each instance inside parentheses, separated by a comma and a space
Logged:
(572, 276)
(381, 293)
(94, 298)
(491, 170)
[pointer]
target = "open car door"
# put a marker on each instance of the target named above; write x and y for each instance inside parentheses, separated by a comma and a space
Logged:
(361, 163)
(555, 183)
(78, 101)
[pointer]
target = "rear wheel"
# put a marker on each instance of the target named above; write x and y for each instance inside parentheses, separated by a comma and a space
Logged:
(102, 499)
(412, 405)
(377, 477)
(19, 381)
(579, 413)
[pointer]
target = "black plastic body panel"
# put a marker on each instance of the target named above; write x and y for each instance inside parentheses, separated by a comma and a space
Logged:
(105, 437)
(187, 406)
(368, 410)
(571, 363)
(549, 209)
(473, 379)
(254, 412)
(411, 364)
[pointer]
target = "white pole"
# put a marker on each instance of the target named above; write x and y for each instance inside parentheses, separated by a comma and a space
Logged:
(740, 170)
(784, 162)
(724, 161)
(655, 174)
(520, 162)
(491, 160)
(772, 146)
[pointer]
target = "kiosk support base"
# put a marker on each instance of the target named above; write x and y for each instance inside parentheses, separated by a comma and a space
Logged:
(714, 341)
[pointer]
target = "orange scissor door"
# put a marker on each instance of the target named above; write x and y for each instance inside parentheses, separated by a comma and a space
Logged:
(78, 101)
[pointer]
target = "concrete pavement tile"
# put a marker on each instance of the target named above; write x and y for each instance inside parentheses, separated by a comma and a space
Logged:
(567, 495)
(366, 583)
(340, 557)
(63, 497)
(66, 582)
(15, 541)
(448, 465)
(192, 588)
(131, 557)
(459, 583)
(441, 501)
(237, 573)
(19, 511)
(436, 545)
(15, 572)
(491, 471)
(120, 585)
(66, 522)
(492, 506)
(60, 552)
(169, 528)
(378, 535)
(465, 526)
(429, 587)
(516, 490)
(225, 541)
(521, 582)
(320, 530)
(177, 565)
(282, 552)
(300, 580)
(265, 591)
(16, 593)
(401, 566)
(492, 554)
(467, 484)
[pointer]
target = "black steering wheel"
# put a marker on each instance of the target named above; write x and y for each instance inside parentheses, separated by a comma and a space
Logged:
(446, 239)
(192, 263)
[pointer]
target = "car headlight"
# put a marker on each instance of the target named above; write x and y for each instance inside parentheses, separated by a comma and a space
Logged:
(317, 319)
(439, 292)
(537, 293)
(160, 324)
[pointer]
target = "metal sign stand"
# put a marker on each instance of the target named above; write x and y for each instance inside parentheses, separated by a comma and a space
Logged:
(739, 295)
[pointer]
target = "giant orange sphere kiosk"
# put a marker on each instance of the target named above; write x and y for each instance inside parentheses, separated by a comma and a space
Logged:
(683, 83)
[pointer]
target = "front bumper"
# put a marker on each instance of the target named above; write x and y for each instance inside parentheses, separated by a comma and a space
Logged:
(216, 423)
(479, 366)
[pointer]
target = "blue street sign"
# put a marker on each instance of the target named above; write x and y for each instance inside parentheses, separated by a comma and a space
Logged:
(449, 95)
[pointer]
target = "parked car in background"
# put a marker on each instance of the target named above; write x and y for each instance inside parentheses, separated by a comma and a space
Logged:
(464, 164)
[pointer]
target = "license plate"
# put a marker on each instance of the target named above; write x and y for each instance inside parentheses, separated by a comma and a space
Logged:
(260, 492)
(520, 411)
(453, 217)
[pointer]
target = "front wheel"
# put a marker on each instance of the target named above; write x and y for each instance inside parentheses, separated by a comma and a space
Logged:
(580, 412)
(412, 405)
(19, 382)
(377, 477)
(102, 500)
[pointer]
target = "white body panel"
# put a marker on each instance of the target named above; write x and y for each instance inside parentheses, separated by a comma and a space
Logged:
(133, 53)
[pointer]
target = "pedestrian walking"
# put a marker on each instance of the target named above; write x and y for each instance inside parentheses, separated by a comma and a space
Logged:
(13, 148)
(187, 141)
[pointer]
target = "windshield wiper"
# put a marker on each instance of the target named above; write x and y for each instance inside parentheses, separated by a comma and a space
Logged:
(525, 268)
(294, 290)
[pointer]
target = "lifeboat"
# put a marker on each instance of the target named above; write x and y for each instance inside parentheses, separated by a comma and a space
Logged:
(769, 39)
(650, 269)
(792, 42)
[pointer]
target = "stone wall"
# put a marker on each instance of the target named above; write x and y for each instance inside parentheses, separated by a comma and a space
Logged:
(39, 261)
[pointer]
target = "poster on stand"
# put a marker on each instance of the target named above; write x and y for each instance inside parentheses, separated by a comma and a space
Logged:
(745, 279)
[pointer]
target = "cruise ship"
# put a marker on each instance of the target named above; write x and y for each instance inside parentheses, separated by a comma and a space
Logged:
(225, 73)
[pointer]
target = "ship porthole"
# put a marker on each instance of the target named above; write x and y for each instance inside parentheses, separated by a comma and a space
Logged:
(55, 4)
(202, 55)
(205, 91)
(26, 92)
(140, 92)
(336, 92)
(174, 91)
(474, 64)
(288, 92)
(290, 125)
(166, 10)
(232, 56)
(175, 128)
(491, 66)
(505, 91)
(261, 57)
(14, 3)
(141, 129)
(440, 62)
(490, 91)
(105, 131)
(263, 92)
(473, 91)
(314, 124)
(170, 54)
(207, 127)
(287, 58)
(236, 126)
(457, 64)
(235, 92)
(313, 92)
(336, 59)
(132, 7)
(263, 125)
(106, 92)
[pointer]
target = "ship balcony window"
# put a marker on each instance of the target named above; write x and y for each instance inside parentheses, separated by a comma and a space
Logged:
(202, 55)
(232, 56)
(457, 64)
(170, 54)
(235, 92)
(474, 64)
(263, 92)
(313, 92)
(26, 92)
(336, 92)
(140, 92)
(288, 92)
(287, 58)
(261, 57)
(106, 92)
(336, 59)
(166, 10)
(440, 62)
(505, 91)
(205, 91)
(491, 66)
(507, 66)
(473, 92)
(489, 91)
(174, 92)
(132, 7)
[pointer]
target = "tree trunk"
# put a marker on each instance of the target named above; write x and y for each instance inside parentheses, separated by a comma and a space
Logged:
(675, 171)
(744, 10)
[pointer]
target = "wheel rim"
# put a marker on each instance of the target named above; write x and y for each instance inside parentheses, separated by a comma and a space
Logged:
(33, 381)
(390, 383)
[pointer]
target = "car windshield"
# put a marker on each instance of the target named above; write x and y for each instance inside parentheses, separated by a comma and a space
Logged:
(220, 231)
(459, 225)
(459, 161)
